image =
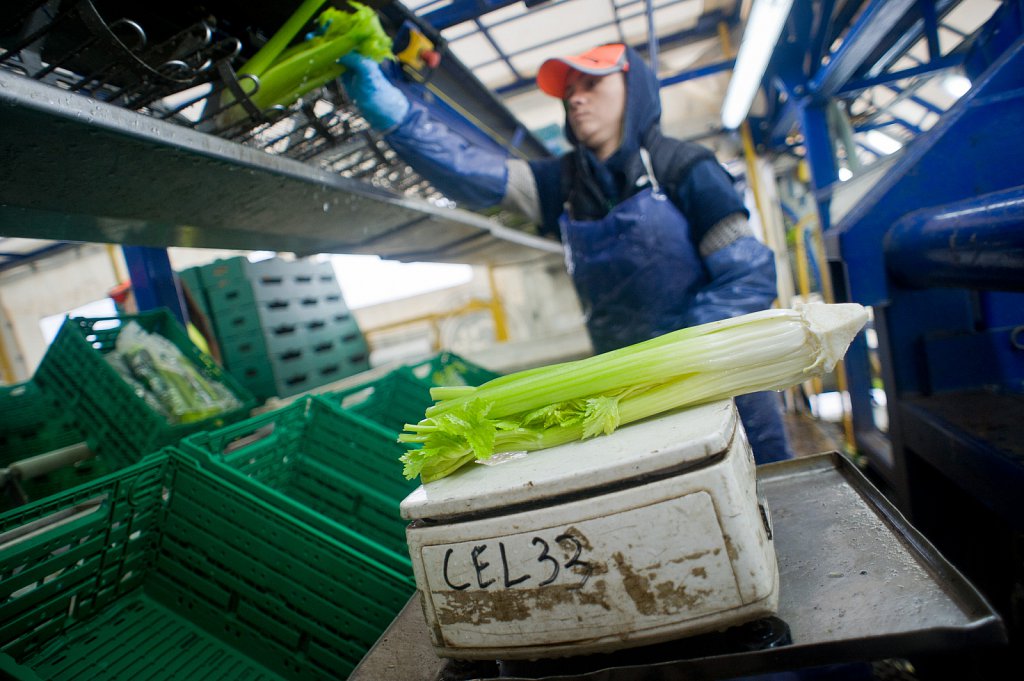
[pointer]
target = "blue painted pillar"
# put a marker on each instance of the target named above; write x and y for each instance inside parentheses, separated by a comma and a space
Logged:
(154, 282)
(818, 143)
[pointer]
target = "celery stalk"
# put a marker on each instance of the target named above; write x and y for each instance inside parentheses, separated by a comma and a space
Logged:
(286, 73)
(562, 403)
(266, 55)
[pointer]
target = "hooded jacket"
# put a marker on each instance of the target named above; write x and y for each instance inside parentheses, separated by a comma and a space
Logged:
(698, 185)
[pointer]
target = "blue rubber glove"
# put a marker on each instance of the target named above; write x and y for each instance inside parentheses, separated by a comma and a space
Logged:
(382, 104)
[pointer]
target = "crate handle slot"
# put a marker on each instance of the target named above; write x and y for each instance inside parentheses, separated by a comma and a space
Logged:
(250, 439)
(358, 397)
(271, 280)
(76, 514)
(277, 304)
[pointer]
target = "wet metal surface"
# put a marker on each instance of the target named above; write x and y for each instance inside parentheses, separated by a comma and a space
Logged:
(857, 583)
(82, 170)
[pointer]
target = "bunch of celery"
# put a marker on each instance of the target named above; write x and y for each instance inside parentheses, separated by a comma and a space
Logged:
(562, 403)
(284, 75)
(159, 373)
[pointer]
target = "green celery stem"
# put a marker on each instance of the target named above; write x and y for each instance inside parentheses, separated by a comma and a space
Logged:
(279, 41)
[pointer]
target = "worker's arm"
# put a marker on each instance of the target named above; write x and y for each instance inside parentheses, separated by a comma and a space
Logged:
(741, 272)
(473, 176)
(740, 269)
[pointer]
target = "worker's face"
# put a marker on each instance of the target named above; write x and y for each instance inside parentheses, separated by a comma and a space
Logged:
(596, 106)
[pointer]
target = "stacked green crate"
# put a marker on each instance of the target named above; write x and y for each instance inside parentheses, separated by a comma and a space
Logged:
(282, 327)
(164, 570)
(33, 422)
(331, 469)
(119, 424)
(402, 395)
(191, 280)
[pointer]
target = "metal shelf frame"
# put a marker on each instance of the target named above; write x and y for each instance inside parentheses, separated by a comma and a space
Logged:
(83, 170)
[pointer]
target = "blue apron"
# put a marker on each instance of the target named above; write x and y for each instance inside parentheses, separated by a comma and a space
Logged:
(636, 270)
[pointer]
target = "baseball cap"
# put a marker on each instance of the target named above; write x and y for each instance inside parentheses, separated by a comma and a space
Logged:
(600, 61)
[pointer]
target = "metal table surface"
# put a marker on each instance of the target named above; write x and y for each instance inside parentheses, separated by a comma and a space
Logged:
(857, 583)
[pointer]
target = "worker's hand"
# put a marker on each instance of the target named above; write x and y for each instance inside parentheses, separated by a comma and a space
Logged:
(382, 104)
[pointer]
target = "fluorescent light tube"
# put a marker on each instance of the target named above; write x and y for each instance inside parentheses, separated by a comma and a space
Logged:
(764, 26)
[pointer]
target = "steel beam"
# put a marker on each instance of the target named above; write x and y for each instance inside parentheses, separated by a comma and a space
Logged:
(861, 40)
(699, 72)
(153, 281)
(459, 11)
(932, 67)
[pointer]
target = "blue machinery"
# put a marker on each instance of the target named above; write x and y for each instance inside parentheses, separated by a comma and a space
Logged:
(937, 249)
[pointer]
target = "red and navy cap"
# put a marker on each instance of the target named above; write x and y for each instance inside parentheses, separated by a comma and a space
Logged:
(600, 61)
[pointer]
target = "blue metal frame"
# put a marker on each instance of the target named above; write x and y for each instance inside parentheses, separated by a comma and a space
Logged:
(154, 282)
(863, 37)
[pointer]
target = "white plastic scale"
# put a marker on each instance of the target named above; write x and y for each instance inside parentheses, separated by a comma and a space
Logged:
(651, 533)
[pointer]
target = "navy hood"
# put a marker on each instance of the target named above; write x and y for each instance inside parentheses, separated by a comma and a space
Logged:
(643, 107)
(596, 186)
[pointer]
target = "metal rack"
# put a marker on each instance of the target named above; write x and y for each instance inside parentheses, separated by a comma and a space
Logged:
(118, 138)
(183, 79)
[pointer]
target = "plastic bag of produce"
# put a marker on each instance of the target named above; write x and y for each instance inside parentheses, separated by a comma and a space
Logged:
(185, 395)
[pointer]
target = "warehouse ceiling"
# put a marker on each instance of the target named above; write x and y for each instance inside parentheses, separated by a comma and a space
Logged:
(889, 63)
(504, 43)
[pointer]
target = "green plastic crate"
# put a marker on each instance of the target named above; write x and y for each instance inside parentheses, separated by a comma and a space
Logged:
(32, 422)
(402, 396)
(229, 295)
(165, 571)
(394, 399)
(447, 368)
(327, 468)
(272, 278)
(255, 374)
(241, 347)
(61, 479)
(190, 279)
(237, 321)
(119, 425)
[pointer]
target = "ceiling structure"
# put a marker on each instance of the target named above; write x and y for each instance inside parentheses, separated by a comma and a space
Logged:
(503, 43)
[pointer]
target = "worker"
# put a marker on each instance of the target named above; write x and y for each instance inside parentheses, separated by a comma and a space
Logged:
(656, 236)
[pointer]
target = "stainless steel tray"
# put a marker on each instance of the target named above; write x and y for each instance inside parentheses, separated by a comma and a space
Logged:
(857, 583)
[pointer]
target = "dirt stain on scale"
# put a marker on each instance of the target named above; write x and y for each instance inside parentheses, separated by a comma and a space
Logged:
(512, 605)
(663, 598)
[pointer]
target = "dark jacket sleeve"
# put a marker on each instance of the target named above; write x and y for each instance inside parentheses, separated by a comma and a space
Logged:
(741, 274)
(548, 174)
(707, 196)
(473, 176)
